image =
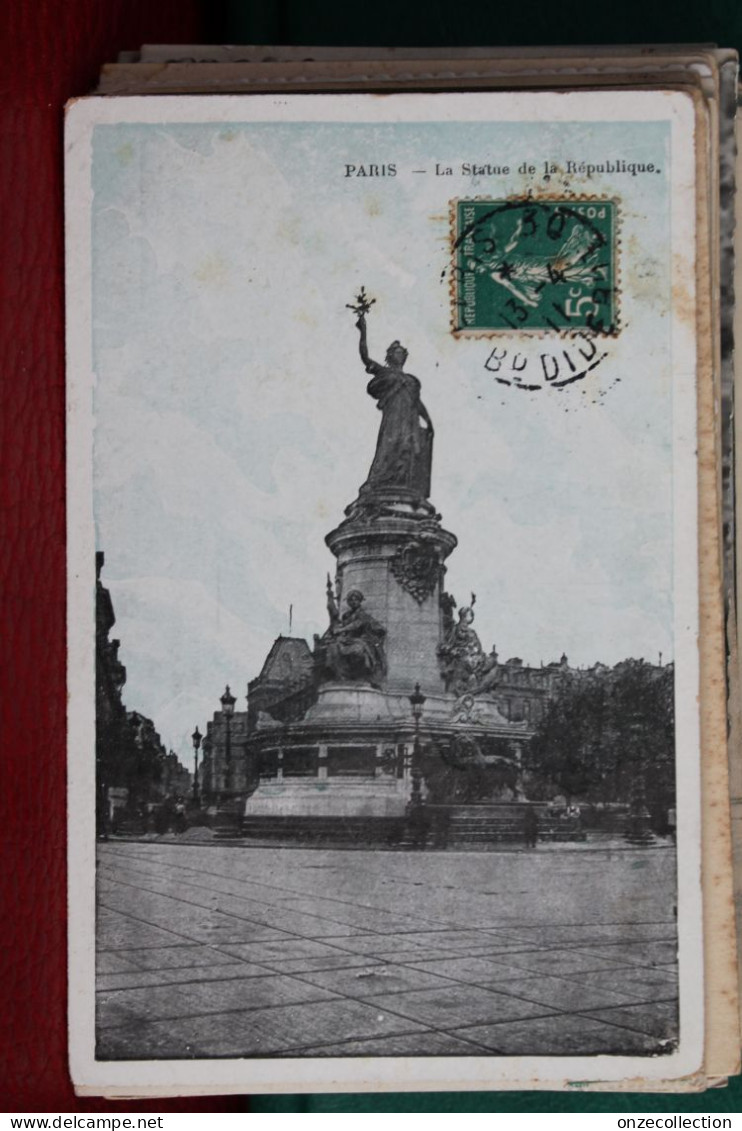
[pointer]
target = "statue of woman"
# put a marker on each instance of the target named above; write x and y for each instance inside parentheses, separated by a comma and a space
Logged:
(461, 654)
(353, 645)
(404, 448)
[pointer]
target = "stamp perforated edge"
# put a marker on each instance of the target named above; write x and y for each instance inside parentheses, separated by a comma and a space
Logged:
(535, 334)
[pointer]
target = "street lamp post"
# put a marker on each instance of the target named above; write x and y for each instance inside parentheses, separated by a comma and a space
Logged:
(207, 770)
(415, 810)
(196, 739)
(638, 830)
(417, 702)
(228, 701)
(226, 818)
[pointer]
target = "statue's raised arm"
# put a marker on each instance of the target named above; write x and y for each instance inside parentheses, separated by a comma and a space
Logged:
(361, 307)
(371, 365)
(332, 603)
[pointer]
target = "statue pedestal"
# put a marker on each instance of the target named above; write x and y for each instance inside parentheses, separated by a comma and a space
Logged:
(396, 560)
(360, 703)
(354, 764)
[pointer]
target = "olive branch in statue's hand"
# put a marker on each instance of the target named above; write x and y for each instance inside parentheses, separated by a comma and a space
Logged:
(362, 305)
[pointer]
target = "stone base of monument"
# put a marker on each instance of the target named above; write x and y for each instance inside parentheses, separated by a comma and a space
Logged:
(351, 703)
(227, 820)
(346, 831)
(483, 824)
(336, 797)
(345, 770)
(343, 774)
(432, 826)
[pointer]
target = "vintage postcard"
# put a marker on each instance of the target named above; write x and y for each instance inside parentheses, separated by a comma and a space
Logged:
(385, 750)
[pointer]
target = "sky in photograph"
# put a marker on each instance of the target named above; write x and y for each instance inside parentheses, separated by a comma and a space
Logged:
(232, 425)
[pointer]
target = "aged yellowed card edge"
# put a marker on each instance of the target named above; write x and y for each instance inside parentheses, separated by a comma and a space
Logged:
(734, 626)
(720, 944)
(403, 74)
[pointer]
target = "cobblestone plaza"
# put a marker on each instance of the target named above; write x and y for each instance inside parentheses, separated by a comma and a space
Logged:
(227, 951)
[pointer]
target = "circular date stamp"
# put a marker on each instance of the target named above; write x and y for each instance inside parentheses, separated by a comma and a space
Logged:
(540, 266)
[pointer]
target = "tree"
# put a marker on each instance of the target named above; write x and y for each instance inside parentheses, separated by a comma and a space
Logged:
(603, 727)
(568, 749)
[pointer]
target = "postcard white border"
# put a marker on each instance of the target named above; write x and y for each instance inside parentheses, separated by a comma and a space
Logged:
(368, 1074)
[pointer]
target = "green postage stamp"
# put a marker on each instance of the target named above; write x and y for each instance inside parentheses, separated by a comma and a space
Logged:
(544, 265)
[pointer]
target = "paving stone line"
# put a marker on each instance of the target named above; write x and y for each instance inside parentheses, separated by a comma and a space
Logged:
(403, 949)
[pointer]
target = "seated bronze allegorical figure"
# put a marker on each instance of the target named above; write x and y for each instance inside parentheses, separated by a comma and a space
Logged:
(352, 648)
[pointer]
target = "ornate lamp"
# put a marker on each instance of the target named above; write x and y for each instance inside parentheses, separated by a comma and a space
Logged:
(227, 701)
(196, 740)
(417, 702)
